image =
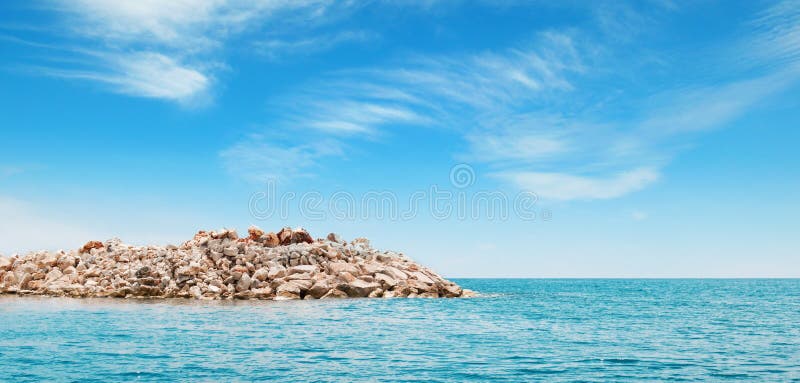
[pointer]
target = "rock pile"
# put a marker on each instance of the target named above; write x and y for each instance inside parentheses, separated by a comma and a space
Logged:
(220, 265)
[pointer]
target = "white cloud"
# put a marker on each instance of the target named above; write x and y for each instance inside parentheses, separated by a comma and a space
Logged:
(441, 91)
(560, 186)
(145, 74)
(190, 24)
(539, 116)
(357, 117)
(710, 107)
(777, 37)
(161, 49)
(277, 48)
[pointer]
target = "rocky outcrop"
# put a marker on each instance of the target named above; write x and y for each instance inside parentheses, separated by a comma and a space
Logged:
(289, 264)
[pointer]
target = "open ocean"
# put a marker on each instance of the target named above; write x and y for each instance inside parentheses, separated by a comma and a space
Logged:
(597, 330)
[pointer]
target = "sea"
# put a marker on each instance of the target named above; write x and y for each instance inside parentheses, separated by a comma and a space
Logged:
(517, 330)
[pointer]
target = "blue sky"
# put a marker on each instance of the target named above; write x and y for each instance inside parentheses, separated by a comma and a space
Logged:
(659, 137)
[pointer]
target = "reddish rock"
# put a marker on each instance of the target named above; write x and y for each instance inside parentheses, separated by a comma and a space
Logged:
(300, 235)
(91, 245)
(255, 233)
(285, 236)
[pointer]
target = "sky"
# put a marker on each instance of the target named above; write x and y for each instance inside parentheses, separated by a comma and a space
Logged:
(483, 139)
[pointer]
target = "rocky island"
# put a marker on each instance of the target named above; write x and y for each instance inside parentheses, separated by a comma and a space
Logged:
(286, 265)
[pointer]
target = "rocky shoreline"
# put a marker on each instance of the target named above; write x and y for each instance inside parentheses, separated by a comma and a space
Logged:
(286, 265)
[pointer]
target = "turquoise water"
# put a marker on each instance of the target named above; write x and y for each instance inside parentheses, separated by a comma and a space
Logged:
(521, 330)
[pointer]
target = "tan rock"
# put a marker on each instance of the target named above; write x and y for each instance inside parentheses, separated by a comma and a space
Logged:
(270, 240)
(451, 290)
(66, 261)
(288, 290)
(347, 277)
(301, 269)
(359, 288)
(422, 277)
(340, 267)
(302, 276)
(334, 293)
(53, 275)
(276, 272)
(261, 274)
(5, 263)
(385, 280)
(244, 283)
(319, 289)
(262, 293)
(238, 271)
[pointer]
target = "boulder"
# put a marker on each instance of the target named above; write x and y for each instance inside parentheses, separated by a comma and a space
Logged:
(334, 293)
(285, 236)
(276, 272)
(255, 233)
(301, 276)
(270, 240)
(319, 289)
(301, 269)
(300, 235)
(359, 288)
(333, 237)
(53, 275)
(91, 245)
(287, 290)
(66, 261)
(340, 267)
(262, 293)
(288, 236)
(5, 263)
(422, 277)
(195, 292)
(244, 283)
(261, 274)
(385, 280)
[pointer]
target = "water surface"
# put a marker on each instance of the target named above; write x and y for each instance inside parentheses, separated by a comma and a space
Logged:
(520, 330)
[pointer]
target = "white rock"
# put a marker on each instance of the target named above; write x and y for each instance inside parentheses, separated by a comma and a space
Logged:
(244, 283)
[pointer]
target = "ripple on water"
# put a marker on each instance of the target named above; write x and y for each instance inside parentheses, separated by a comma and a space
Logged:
(517, 330)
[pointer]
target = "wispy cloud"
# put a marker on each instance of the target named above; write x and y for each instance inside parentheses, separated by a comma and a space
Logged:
(537, 113)
(442, 92)
(143, 74)
(279, 48)
(777, 34)
(560, 186)
(158, 49)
